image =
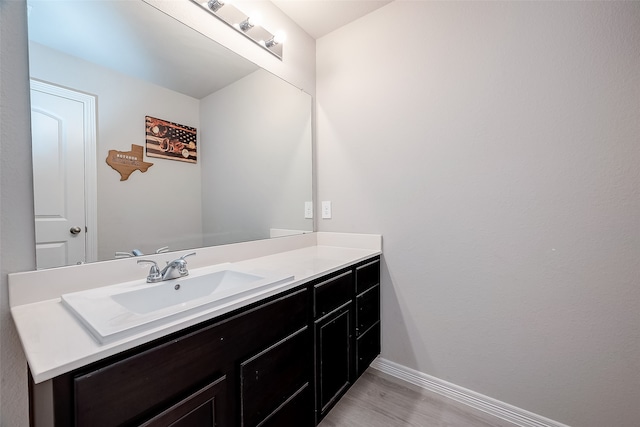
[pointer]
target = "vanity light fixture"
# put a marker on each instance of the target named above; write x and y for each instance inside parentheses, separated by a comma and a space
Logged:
(248, 25)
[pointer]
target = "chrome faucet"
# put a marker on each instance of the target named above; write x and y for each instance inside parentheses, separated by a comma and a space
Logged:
(138, 252)
(173, 270)
(176, 268)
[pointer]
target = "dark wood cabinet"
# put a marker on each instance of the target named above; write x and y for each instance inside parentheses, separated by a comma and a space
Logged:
(347, 330)
(284, 361)
(367, 314)
(333, 337)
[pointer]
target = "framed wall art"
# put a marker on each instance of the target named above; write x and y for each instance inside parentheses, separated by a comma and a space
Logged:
(172, 141)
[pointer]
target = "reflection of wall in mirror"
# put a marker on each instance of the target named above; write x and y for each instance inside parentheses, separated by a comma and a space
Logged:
(266, 134)
(148, 211)
(258, 172)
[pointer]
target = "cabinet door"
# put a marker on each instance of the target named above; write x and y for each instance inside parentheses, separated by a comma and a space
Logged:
(333, 357)
(204, 408)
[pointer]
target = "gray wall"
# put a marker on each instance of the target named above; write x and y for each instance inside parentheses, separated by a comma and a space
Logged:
(495, 147)
(256, 150)
(17, 251)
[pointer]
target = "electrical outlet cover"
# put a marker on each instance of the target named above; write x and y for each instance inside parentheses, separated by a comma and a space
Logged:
(326, 210)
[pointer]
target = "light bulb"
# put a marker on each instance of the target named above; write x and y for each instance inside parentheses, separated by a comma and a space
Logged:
(280, 37)
(254, 19)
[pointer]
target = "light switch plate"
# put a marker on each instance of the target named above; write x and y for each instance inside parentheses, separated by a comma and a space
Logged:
(326, 210)
(308, 209)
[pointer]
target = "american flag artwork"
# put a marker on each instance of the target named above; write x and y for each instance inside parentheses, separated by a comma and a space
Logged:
(168, 140)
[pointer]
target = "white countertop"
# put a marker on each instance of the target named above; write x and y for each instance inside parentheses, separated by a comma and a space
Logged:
(55, 342)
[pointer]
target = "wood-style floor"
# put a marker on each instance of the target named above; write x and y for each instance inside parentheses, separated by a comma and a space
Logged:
(376, 402)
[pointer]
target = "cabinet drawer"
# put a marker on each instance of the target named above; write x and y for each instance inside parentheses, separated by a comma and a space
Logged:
(260, 327)
(367, 348)
(270, 378)
(332, 293)
(130, 389)
(367, 276)
(297, 411)
(367, 309)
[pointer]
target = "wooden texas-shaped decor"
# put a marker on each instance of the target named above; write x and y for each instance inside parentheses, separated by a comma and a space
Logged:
(126, 162)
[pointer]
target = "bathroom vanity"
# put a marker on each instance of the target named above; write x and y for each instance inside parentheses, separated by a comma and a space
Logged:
(280, 358)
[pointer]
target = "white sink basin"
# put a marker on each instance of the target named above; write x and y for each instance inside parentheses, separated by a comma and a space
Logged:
(170, 293)
(118, 311)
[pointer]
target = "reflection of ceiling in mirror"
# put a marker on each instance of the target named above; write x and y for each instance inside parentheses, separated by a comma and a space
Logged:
(134, 38)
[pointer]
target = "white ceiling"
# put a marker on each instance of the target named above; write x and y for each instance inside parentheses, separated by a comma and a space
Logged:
(320, 17)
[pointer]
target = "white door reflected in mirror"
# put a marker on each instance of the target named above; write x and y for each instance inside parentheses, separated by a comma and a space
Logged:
(58, 149)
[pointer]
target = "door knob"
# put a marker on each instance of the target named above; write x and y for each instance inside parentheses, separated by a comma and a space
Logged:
(75, 230)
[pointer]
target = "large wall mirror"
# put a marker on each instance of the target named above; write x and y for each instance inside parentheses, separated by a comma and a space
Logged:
(98, 68)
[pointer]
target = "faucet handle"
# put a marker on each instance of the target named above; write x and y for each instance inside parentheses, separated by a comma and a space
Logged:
(184, 256)
(154, 273)
(182, 264)
(120, 254)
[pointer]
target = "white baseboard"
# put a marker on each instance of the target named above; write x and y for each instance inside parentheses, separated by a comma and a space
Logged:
(491, 406)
